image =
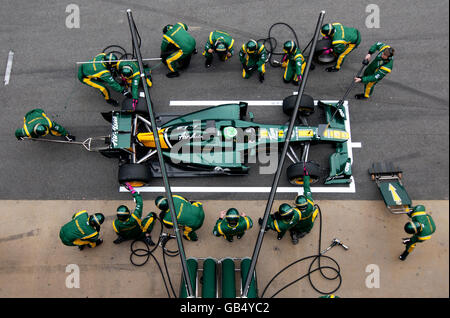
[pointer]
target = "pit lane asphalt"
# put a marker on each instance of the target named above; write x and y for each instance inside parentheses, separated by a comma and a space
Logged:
(406, 121)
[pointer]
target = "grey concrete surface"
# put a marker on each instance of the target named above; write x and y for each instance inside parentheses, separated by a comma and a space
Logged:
(406, 121)
(33, 261)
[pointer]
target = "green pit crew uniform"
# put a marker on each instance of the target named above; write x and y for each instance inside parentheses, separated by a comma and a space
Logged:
(294, 64)
(252, 61)
(222, 228)
(38, 117)
(424, 234)
(134, 228)
(177, 47)
(282, 226)
(377, 69)
(134, 80)
(79, 232)
(190, 216)
(97, 75)
(215, 36)
(308, 216)
(344, 40)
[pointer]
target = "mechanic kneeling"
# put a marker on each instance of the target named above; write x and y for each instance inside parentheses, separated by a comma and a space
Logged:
(82, 230)
(190, 215)
(129, 226)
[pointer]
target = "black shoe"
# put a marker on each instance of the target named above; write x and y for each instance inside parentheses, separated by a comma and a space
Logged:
(312, 67)
(296, 83)
(230, 239)
(360, 96)
(294, 238)
(172, 74)
(261, 77)
(280, 236)
(119, 240)
(81, 247)
(195, 51)
(332, 69)
(149, 241)
(403, 256)
(112, 102)
(98, 243)
(208, 64)
(239, 236)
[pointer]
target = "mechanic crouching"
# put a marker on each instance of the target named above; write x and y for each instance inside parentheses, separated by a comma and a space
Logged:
(190, 215)
(220, 43)
(232, 223)
(177, 48)
(82, 230)
(283, 220)
(37, 124)
(253, 57)
(129, 226)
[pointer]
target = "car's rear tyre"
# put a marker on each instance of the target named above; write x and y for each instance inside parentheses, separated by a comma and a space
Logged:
(134, 173)
(305, 108)
(295, 172)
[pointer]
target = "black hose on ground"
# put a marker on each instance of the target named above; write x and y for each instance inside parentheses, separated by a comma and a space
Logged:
(320, 268)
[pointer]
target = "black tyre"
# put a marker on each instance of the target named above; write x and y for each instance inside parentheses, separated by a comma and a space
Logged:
(306, 106)
(136, 174)
(295, 172)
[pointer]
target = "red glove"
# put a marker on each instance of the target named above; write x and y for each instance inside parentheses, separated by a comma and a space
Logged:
(299, 78)
(130, 188)
(329, 51)
(284, 58)
(135, 102)
(305, 172)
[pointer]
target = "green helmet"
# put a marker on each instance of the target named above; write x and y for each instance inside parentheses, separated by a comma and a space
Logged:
(327, 30)
(183, 25)
(413, 227)
(167, 28)
(126, 71)
(232, 217)
(162, 203)
(301, 202)
(123, 212)
(289, 47)
(286, 211)
(251, 47)
(111, 60)
(220, 47)
(96, 219)
(40, 130)
(419, 208)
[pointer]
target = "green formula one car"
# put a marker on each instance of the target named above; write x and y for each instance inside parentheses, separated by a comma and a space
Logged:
(221, 140)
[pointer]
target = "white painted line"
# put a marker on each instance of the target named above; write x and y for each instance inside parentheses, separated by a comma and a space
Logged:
(223, 102)
(142, 94)
(299, 190)
(9, 67)
(356, 145)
